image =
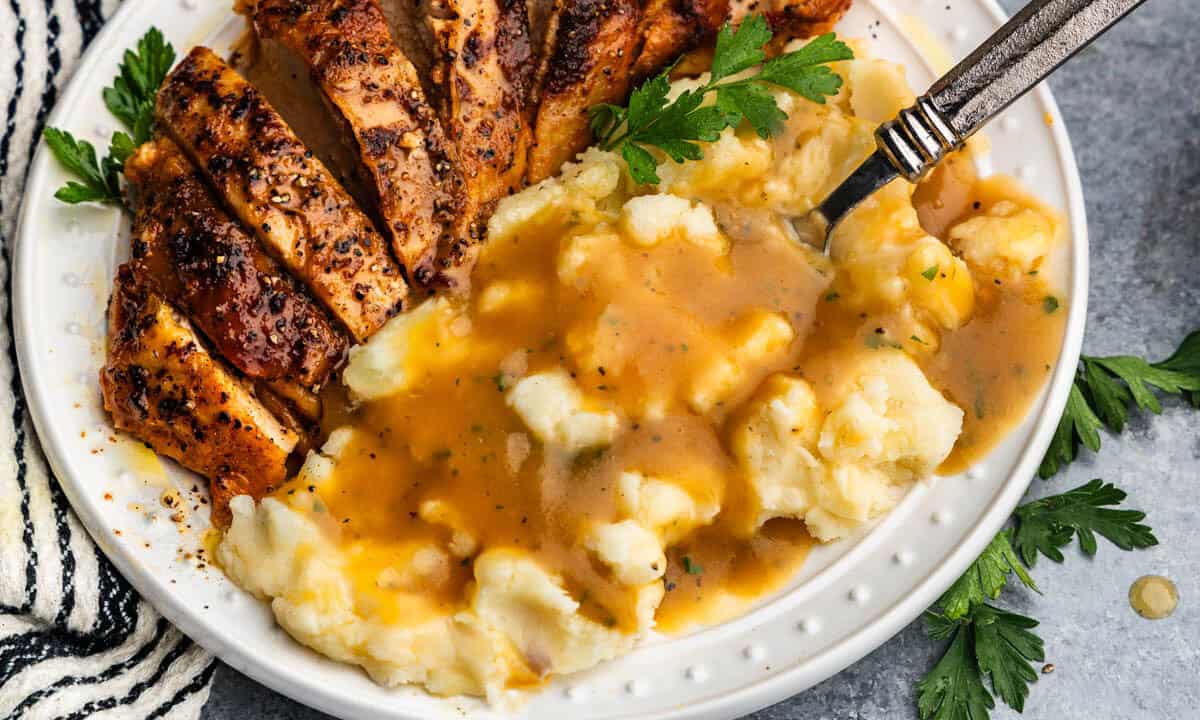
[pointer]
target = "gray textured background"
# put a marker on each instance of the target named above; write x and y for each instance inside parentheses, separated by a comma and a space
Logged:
(1132, 104)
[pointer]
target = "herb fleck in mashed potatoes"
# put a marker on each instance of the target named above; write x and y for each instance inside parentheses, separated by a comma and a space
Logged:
(652, 402)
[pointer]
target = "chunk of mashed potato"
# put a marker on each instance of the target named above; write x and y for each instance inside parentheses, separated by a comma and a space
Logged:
(553, 407)
(649, 219)
(517, 625)
(581, 187)
(840, 466)
(1008, 239)
(277, 553)
(381, 366)
(662, 506)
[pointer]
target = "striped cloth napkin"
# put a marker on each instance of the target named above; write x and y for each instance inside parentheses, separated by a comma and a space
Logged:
(76, 641)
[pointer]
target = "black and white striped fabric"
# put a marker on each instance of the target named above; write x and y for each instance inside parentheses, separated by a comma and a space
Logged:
(75, 640)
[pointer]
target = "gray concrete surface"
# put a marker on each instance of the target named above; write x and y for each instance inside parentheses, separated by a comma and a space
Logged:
(1132, 104)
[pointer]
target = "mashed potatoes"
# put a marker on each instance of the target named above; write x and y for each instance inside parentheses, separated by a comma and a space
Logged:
(648, 387)
(839, 466)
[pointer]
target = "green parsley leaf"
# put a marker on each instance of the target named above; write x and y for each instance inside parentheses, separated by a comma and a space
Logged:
(690, 566)
(1186, 359)
(677, 149)
(1137, 374)
(604, 119)
(953, 689)
(986, 641)
(938, 626)
(1005, 647)
(648, 100)
(121, 147)
(754, 103)
(1049, 304)
(804, 71)
(1109, 397)
(1078, 424)
(74, 193)
(131, 99)
(930, 273)
(737, 50)
(676, 127)
(1044, 526)
(818, 51)
(99, 180)
(985, 578)
(641, 164)
(131, 96)
(681, 123)
(1104, 389)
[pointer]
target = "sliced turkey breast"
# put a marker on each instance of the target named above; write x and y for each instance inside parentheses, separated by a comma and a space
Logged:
(482, 73)
(276, 187)
(587, 60)
(672, 27)
(201, 260)
(163, 387)
(378, 98)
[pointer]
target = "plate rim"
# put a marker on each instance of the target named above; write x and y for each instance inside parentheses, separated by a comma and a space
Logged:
(748, 698)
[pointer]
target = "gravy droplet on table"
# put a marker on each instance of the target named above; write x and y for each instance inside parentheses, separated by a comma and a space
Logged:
(1154, 597)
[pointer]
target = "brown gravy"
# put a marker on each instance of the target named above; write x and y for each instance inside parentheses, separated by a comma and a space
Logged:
(994, 366)
(450, 437)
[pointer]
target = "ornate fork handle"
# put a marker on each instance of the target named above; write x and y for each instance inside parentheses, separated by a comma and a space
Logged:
(1031, 45)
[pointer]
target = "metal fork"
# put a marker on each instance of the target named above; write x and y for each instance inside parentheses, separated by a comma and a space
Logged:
(1030, 46)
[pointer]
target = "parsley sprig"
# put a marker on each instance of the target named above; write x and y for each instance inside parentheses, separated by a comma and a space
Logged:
(1044, 526)
(986, 577)
(988, 642)
(1106, 387)
(97, 180)
(131, 100)
(131, 97)
(675, 127)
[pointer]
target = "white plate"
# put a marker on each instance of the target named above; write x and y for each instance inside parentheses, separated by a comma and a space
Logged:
(849, 599)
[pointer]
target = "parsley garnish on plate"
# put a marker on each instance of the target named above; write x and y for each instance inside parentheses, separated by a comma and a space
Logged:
(131, 97)
(675, 127)
(97, 179)
(131, 100)
(1104, 389)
